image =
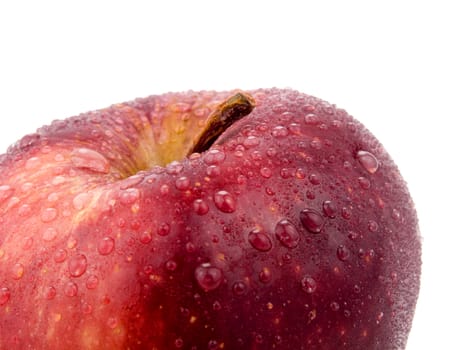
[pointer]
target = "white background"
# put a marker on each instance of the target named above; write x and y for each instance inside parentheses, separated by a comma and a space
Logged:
(398, 66)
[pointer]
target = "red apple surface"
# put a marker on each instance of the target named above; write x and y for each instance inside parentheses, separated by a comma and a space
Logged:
(266, 219)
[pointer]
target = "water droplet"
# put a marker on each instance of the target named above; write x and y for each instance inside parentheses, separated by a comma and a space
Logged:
(364, 183)
(4, 295)
(280, 131)
(251, 141)
(208, 277)
(287, 233)
(308, 284)
(346, 213)
(343, 253)
(106, 246)
(294, 128)
(89, 159)
(77, 265)
(50, 292)
(164, 189)
(32, 163)
(164, 229)
(17, 271)
(314, 179)
(145, 237)
(216, 306)
(300, 173)
(71, 289)
(182, 183)
(92, 282)
(396, 215)
(171, 265)
(373, 226)
(112, 322)
(334, 306)
(129, 196)
(174, 168)
(178, 343)
(265, 275)
(49, 215)
(5, 192)
(259, 240)
(60, 256)
(49, 234)
(329, 209)
(265, 172)
(311, 119)
(224, 201)
(368, 161)
(213, 345)
(24, 210)
(239, 288)
(285, 173)
(200, 207)
(312, 220)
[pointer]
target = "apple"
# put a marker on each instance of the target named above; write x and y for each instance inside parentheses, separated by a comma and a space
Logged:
(266, 219)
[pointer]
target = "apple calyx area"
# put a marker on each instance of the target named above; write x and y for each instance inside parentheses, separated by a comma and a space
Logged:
(227, 113)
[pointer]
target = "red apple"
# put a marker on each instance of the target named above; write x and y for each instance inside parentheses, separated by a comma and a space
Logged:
(206, 220)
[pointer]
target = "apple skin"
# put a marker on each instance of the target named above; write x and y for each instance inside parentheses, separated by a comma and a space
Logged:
(295, 230)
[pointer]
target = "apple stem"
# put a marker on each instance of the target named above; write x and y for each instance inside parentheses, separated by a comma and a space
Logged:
(232, 109)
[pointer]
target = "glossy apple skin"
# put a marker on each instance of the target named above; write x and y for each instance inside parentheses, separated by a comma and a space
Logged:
(294, 231)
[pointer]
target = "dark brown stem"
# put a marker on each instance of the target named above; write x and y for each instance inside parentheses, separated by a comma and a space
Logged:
(227, 113)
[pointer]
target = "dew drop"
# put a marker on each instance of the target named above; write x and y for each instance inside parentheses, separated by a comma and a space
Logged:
(342, 253)
(178, 343)
(259, 240)
(265, 172)
(4, 295)
(24, 210)
(171, 265)
(145, 237)
(33, 163)
(60, 256)
(368, 161)
(182, 183)
(372, 226)
(224, 201)
(48, 215)
(346, 213)
(89, 159)
(311, 119)
(239, 288)
(208, 277)
(71, 289)
(265, 275)
(312, 220)
(106, 246)
(174, 168)
(314, 179)
(49, 234)
(17, 271)
(396, 215)
(334, 306)
(251, 141)
(5, 192)
(200, 207)
(27, 243)
(329, 209)
(279, 131)
(129, 196)
(287, 233)
(77, 265)
(112, 322)
(364, 183)
(50, 292)
(92, 282)
(213, 171)
(308, 284)
(164, 229)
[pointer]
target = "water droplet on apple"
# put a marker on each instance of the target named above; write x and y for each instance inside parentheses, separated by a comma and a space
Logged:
(182, 183)
(92, 282)
(224, 201)
(251, 141)
(5, 192)
(17, 271)
(49, 215)
(49, 234)
(396, 215)
(32, 163)
(312, 220)
(308, 284)
(4, 295)
(314, 179)
(373, 226)
(71, 289)
(334, 306)
(24, 210)
(311, 119)
(174, 168)
(280, 131)
(259, 240)
(239, 288)
(285, 173)
(112, 322)
(216, 306)
(164, 229)
(106, 246)
(178, 343)
(77, 265)
(364, 183)
(368, 161)
(265, 275)
(89, 159)
(50, 292)
(265, 172)
(208, 277)
(129, 196)
(200, 207)
(213, 171)
(343, 253)
(329, 209)
(60, 256)
(171, 265)
(145, 237)
(287, 233)
(346, 213)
